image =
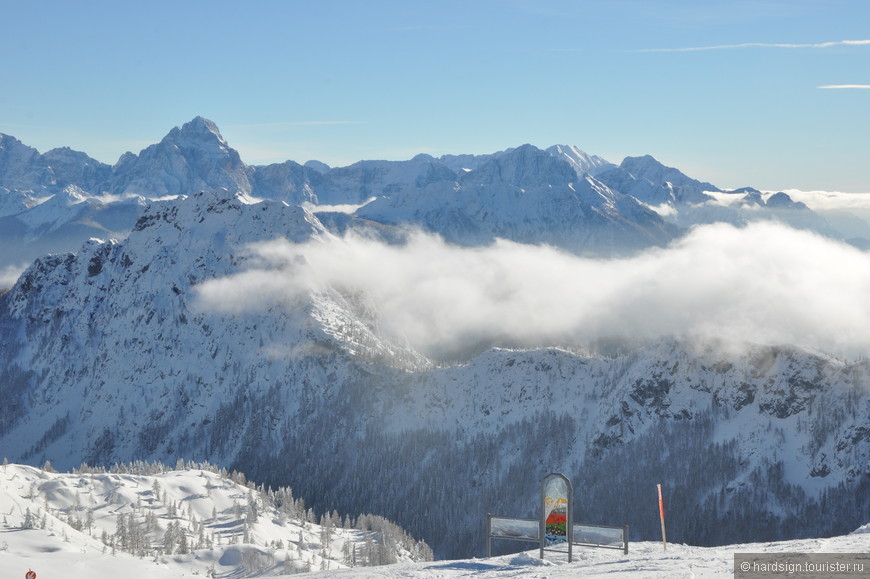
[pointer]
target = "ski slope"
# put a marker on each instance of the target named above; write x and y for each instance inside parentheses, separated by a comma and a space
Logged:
(56, 549)
(644, 560)
(647, 560)
(174, 523)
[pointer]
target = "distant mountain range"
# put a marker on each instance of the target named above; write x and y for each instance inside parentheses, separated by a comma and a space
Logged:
(561, 196)
(108, 353)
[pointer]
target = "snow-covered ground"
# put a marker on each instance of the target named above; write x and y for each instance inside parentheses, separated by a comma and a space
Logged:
(171, 524)
(644, 560)
(54, 548)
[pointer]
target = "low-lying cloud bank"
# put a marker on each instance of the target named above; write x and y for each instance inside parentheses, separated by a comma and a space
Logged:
(765, 283)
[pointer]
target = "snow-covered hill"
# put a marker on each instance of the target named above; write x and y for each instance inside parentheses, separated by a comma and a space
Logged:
(146, 520)
(645, 560)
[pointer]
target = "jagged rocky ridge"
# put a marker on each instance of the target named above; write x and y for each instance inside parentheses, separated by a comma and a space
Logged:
(107, 355)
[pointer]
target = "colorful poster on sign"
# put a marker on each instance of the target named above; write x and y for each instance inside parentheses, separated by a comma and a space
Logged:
(556, 506)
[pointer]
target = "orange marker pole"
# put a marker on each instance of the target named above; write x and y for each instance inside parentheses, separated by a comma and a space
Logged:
(662, 517)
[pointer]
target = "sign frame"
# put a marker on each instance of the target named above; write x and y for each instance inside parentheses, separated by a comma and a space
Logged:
(493, 531)
(559, 483)
(557, 498)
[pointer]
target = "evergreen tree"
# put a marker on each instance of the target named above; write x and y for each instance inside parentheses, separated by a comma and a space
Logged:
(28, 519)
(183, 547)
(170, 538)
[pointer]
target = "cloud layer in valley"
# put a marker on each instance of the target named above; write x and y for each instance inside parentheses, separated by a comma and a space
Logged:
(765, 283)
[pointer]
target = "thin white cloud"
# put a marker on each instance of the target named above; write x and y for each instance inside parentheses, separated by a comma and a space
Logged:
(765, 283)
(859, 86)
(347, 208)
(759, 45)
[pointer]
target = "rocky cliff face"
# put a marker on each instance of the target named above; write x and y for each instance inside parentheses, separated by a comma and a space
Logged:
(191, 158)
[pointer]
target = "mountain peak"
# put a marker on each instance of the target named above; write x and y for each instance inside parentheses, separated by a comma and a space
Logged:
(525, 166)
(642, 161)
(200, 128)
(192, 157)
(783, 201)
(318, 166)
(647, 167)
(582, 162)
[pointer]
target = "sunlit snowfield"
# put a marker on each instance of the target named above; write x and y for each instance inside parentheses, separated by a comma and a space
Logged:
(53, 558)
(644, 560)
(61, 551)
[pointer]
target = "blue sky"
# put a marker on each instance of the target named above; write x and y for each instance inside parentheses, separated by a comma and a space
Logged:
(727, 91)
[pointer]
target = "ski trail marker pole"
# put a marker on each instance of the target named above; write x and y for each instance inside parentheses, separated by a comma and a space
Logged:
(662, 517)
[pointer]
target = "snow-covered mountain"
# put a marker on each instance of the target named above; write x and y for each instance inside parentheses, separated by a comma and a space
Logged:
(467, 198)
(76, 168)
(647, 180)
(62, 222)
(189, 159)
(751, 205)
(289, 182)
(196, 157)
(22, 168)
(583, 163)
(530, 196)
(110, 355)
(366, 179)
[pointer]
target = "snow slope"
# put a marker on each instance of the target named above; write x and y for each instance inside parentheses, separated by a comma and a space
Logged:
(645, 560)
(172, 523)
(214, 513)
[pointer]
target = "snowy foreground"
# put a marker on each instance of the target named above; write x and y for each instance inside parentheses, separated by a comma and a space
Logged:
(644, 560)
(176, 523)
(59, 525)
